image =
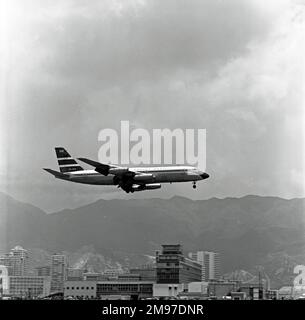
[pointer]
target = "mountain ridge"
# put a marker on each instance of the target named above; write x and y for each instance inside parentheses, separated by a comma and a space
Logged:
(245, 231)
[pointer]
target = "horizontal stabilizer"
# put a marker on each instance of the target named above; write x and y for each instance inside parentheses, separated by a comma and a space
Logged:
(55, 173)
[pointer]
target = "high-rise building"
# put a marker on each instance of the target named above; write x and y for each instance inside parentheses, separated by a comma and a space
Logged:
(4, 280)
(43, 271)
(6, 261)
(17, 261)
(20, 261)
(58, 272)
(210, 264)
(173, 267)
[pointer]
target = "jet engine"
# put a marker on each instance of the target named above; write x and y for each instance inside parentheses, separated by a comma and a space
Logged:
(150, 186)
(145, 177)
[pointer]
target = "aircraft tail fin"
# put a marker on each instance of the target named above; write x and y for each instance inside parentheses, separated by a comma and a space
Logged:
(65, 162)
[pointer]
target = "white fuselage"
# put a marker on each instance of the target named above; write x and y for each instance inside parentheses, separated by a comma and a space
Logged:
(160, 175)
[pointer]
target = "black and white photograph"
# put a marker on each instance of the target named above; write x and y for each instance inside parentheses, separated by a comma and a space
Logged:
(152, 150)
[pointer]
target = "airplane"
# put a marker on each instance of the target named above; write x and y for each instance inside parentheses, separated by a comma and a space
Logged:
(126, 178)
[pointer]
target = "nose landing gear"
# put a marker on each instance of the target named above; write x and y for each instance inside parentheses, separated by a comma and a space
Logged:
(194, 185)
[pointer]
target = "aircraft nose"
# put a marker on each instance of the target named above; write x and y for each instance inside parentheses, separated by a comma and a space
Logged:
(204, 175)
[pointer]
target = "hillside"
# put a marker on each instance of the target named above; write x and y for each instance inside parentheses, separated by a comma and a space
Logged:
(246, 231)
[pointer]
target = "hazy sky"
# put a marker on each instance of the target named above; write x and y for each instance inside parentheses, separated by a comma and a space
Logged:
(72, 67)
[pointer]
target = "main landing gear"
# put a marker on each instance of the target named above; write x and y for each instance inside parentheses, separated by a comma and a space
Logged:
(194, 185)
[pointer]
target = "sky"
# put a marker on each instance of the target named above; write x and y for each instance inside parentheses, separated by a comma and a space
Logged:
(70, 68)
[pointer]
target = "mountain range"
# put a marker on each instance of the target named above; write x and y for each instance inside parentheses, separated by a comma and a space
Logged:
(248, 232)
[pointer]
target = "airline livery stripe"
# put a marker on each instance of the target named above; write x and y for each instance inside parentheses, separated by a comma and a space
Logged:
(68, 165)
(162, 171)
(65, 158)
(66, 161)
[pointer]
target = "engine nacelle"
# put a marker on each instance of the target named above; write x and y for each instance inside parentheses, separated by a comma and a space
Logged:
(145, 177)
(150, 186)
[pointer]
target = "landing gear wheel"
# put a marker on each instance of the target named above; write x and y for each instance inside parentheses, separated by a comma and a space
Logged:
(194, 185)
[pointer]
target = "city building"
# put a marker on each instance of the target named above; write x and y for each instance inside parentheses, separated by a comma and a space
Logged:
(29, 287)
(210, 264)
(286, 293)
(146, 272)
(195, 290)
(222, 288)
(80, 289)
(272, 294)
(113, 273)
(173, 267)
(6, 262)
(128, 289)
(110, 289)
(254, 291)
(129, 277)
(238, 295)
(94, 276)
(43, 271)
(198, 287)
(75, 274)
(58, 272)
(17, 261)
(4, 281)
(165, 290)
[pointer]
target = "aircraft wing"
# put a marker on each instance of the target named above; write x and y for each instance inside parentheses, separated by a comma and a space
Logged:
(105, 169)
(120, 172)
(127, 179)
(91, 162)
